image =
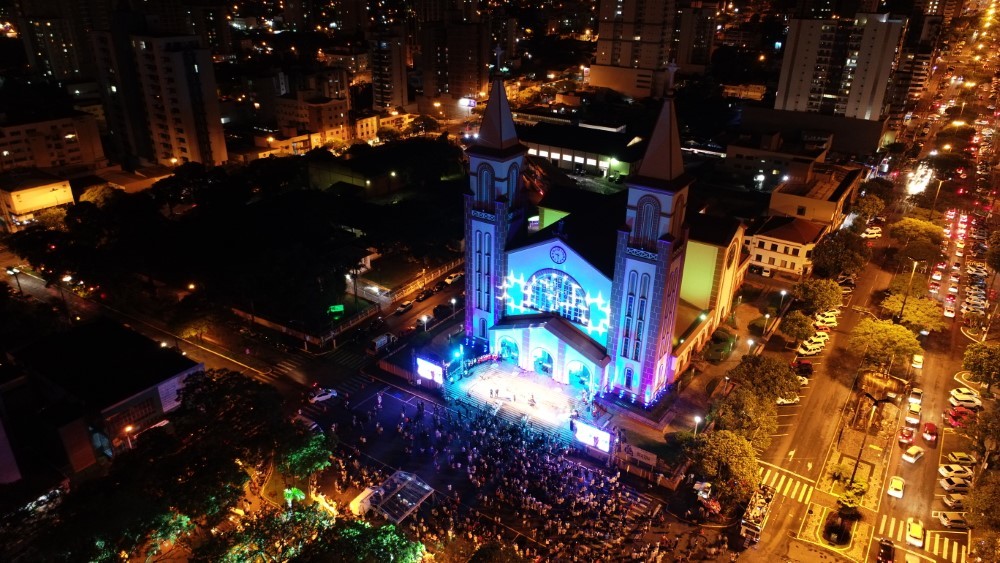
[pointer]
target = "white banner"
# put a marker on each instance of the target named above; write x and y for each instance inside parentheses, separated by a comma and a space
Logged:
(639, 454)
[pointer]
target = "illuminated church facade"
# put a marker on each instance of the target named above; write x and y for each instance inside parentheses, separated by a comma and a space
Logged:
(585, 287)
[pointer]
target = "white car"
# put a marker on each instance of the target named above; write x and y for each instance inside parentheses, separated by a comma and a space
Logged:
(953, 520)
(912, 454)
(966, 401)
(962, 458)
(955, 485)
(806, 349)
(794, 400)
(914, 532)
(937, 275)
(963, 392)
(952, 289)
(918, 361)
(913, 414)
(896, 485)
(321, 394)
(820, 337)
(872, 232)
(916, 396)
(955, 501)
(949, 311)
(955, 470)
(827, 321)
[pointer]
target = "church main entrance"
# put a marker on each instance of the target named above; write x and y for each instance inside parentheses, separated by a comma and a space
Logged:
(542, 362)
(509, 351)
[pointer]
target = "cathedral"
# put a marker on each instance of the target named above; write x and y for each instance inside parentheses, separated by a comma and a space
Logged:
(592, 289)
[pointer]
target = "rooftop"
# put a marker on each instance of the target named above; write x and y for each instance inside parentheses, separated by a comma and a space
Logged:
(102, 363)
(584, 139)
(828, 182)
(791, 229)
(717, 231)
(26, 179)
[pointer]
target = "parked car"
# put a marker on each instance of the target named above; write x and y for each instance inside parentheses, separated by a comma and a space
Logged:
(803, 368)
(404, 307)
(962, 458)
(906, 435)
(918, 361)
(913, 414)
(930, 432)
(806, 349)
(916, 396)
(955, 485)
(968, 402)
(953, 520)
(955, 470)
(425, 295)
(954, 501)
(452, 278)
(791, 400)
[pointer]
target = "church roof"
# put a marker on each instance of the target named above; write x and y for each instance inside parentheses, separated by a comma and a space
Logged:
(497, 133)
(663, 159)
(563, 330)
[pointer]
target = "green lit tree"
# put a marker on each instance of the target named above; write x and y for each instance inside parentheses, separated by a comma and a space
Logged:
(294, 494)
(910, 229)
(983, 500)
(307, 454)
(842, 251)
(868, 207)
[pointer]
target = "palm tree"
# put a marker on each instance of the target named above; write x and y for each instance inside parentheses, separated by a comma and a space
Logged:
(294, 494)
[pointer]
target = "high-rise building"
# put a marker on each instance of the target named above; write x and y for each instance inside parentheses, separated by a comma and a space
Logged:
(388, 64)
(56, 35)
(455, 59)
(160, 95)
(208, 19)
(696, 36)
(63, 145)
(840, 66)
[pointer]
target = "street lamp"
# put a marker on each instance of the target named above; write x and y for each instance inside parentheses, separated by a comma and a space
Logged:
(750, 345)
(864, 438)
(697, 421)
(936, 193)
(767, 321)
(423, 319)
(128, 438)
(13, 271)
(908, 286)
(66, 279)
(781, 303)
(453, 301)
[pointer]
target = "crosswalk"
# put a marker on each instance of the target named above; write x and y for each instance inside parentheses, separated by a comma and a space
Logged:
(949, 546)
(348, 358)
(786, 485)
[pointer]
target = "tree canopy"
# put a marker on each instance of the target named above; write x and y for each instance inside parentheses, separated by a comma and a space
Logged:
(796, 325)
(765, 376)
(911, 229)
(817, 294)
(730, 462)
(920, 313)
(842, 251)
(881, 341)
(983, 362)
(868, 207)
(983, 500)
(748, 415)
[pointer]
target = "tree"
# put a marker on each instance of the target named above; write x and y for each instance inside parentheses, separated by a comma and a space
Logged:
(901, 284)
(984, 432)
(910, 229)
(747, 414)
(880, 188)
(921, 250)
(796, 326)
(985, 546)
(294, 494)
(388, 134)
(919, 314)
(983, 500)
(868, 207)
(992, 258)
(818, 294)
(100, 195)
(765, 376)
(423, 124)
(730, 462)
(842, 251)
(308, 454)
(881, 341)
(983, 362)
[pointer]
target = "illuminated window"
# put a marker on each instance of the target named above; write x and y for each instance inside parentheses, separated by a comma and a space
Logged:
(554, 291)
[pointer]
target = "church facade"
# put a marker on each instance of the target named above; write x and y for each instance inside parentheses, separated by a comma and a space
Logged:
(581, 287)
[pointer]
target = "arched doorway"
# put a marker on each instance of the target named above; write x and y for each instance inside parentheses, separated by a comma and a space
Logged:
(541, 361)
(509, 350)
(578, 375)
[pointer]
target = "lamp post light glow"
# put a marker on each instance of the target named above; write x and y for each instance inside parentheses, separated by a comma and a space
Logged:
(128, 438)
(781, 303)
(697, 421)
(13, 271)
(453, 302)
(767, 322)
(750, 345)
(423, 320)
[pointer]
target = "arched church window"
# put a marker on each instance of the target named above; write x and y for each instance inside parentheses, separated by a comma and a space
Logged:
(512, 179)
(554, 291)
(484, 193)
(647, 219)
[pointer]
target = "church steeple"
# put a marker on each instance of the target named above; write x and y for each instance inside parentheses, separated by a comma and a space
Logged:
(497, 129)
(663, 160)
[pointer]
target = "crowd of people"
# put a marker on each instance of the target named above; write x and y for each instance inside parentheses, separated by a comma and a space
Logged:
(500, 481)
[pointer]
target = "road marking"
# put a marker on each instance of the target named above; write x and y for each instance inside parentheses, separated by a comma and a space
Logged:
(795, 490)
(881, 525)
(779, 468)
(809, 496)
(806, 489)
(788, 485)
(954, 551)
(780, 483)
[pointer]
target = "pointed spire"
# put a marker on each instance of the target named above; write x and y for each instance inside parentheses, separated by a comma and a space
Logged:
(663, 160)
(497, 129)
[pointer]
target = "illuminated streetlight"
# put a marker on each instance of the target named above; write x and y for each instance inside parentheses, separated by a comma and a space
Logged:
(697, 421)
(767, 321)
(750, 345)
(453, 302)
(782, 302)
(191, 287)
(128, 438)
(13, 271)
(424, 319)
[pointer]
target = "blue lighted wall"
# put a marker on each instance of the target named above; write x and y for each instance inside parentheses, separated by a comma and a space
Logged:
(537, 281)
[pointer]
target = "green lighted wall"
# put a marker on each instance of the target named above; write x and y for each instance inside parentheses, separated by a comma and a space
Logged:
(698, 280)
